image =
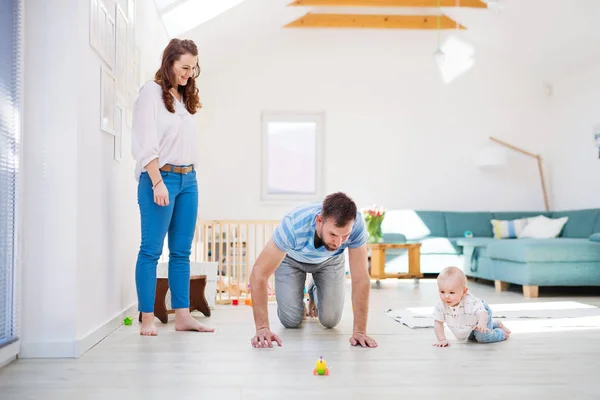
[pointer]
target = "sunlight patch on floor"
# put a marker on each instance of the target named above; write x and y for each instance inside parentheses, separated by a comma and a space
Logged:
(522, 326)
(537, 306)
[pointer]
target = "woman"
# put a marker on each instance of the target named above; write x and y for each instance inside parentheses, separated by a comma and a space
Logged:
(164, 146)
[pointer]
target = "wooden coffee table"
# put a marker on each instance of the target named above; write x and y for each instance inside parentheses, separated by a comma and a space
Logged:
(378, 260)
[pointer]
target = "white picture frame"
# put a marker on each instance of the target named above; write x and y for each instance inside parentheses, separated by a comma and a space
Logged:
(313, 124)
(121, 52)
(95, 26)
(109, 40)
(107, 101)
(118, 139)
(131, 10)
(130, 41)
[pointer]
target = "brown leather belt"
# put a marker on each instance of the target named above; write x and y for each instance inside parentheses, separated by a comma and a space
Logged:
(176, 169)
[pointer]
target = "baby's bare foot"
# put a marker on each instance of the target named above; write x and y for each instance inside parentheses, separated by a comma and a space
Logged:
(148, 328)
(507, 331)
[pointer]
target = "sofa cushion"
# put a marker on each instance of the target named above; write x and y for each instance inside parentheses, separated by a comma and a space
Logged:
(509, 215)
(475, 242)
(542, 227)
(477, 222)
(595, 237)
(508, 229)
(414, 224)
(394, 238)
(581, 223)
(597, 227)
(544, 250)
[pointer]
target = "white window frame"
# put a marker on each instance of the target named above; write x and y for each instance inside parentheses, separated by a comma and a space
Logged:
(274, 116)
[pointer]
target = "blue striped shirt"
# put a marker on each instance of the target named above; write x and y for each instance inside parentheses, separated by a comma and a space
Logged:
(296, 232)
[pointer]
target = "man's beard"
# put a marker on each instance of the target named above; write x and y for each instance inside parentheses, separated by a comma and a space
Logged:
(320, 235)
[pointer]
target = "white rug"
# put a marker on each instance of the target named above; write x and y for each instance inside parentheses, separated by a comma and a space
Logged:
(420, 317)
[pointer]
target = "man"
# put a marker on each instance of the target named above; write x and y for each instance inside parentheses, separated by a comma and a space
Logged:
(312, 239)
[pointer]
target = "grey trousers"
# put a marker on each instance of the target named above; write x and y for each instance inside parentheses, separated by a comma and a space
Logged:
(326, 289)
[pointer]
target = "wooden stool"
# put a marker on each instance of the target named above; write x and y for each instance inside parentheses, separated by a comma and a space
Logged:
(197, 298)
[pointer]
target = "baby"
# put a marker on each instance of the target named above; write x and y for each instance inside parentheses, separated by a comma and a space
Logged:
(467, 316)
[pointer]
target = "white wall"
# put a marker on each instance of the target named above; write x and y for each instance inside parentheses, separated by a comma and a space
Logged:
(574, 156)
(81, 222)
(396, 135)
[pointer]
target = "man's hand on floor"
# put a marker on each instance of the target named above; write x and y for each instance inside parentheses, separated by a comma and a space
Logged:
(361, 339)
(265, 338)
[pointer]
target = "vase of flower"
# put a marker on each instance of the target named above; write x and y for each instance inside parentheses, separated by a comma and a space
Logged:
(373, 218)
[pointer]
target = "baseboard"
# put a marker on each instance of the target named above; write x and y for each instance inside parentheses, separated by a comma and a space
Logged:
(77, 348)
(93, 338)
(9, 353)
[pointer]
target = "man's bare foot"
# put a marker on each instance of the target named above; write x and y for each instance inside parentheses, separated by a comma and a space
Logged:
(148, 327)
(507, 331)
(185, 322)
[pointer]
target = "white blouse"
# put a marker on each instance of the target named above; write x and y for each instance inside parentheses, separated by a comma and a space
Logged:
(157, 133)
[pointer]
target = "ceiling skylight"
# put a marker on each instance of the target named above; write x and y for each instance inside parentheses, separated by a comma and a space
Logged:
(180, 16)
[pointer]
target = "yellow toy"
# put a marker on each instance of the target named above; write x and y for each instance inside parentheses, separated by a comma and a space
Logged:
(321, 367)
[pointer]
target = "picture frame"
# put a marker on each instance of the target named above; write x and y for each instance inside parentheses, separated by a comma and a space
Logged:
(131, 11)
(102, 32)
(95, 25)
(109, 40)
(107, 101)
(118, 139)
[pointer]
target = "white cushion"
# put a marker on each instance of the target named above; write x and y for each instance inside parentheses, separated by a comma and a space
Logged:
(542, 227)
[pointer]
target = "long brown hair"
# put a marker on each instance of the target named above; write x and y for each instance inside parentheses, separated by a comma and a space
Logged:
(167, 79)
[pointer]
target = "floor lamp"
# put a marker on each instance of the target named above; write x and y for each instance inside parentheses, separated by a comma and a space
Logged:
(539, 163)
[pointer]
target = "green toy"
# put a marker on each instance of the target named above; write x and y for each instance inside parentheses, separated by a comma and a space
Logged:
(127, 321)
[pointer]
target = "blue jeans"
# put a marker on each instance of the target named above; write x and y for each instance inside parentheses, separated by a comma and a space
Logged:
(494, 335)
(178, 219)
(327, 290)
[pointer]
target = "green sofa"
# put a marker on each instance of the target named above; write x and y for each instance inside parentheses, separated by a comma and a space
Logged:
(570, 259)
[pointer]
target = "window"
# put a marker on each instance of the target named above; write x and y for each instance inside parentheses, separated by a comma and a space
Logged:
(292, 150)
(180, 16)
(10, 127)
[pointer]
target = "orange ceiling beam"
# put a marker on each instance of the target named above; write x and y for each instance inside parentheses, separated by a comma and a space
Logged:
(363, 21)
(389, 3)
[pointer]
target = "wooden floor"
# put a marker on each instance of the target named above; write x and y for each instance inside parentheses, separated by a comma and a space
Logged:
(531, 365)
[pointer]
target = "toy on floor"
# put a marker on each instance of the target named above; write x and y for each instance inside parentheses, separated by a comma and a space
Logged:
(321, 367)
(127, 321)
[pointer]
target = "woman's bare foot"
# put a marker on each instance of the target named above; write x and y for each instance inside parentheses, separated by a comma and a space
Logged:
(148, 327)
(504, 328)
(185, 322)
(311, 309)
